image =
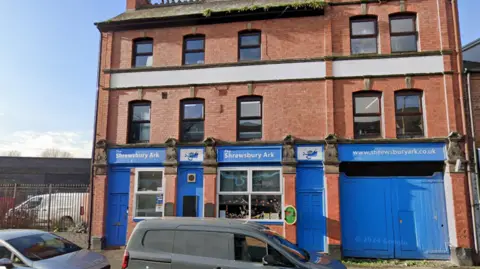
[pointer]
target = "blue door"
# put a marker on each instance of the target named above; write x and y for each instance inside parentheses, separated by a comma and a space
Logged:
(117, 207)
(189, 191)
(310, 208)
(395, 217)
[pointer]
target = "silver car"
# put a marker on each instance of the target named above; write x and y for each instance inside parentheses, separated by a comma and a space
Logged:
(42, 250)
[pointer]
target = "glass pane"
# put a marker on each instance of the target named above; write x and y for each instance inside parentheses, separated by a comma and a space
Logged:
(267, 207)
(233, 206)
(39, 247)
(408, 126)
(402, 25)
(192, 131)
(363, 28)
(367, 104)
(250, 40)
(250, 129)
(150, 181)
(250, 109)
(404, 43)
(232, 181)
(141, 113)
(144, 47)
(367, 126)
(193, 111)
(140, 132)
(364, 45)
(408, 103)
(149, 205)
(249, 249)
(265, 181)
(250, 54)
(195, 44)
(195, 58)
(143, 61)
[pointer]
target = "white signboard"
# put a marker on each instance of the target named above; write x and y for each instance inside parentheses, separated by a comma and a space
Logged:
(310, 153)
(191, 155)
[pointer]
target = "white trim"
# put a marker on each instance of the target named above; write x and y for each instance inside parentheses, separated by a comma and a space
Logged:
(135, 187)
(249, 191)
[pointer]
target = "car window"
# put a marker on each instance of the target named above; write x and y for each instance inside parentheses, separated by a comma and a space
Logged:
(249, 249)
(5, 253)
(203, 244)
(17, 261)
(158, 240)
(42, 246)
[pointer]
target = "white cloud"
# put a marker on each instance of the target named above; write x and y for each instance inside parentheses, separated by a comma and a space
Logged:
(31, 143)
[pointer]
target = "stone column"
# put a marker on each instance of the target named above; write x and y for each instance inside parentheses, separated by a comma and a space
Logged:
(289, 171)
(171, 165)
(457, 198)
(210, 178)
(99, 185)
(332, 181)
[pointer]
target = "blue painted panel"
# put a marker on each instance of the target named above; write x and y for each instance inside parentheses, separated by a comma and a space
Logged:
(189, 189)
(309, 153)
(311, 221)
(391, 152)
(249, 154)
(117, 206)
(309, 179)
(119, 181)
(189, 155)
(136, 156)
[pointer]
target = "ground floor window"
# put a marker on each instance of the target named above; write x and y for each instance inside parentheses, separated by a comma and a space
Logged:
(149, 193)
(250, 193)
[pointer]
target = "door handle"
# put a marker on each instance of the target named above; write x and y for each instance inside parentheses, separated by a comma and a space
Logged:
(401, 221)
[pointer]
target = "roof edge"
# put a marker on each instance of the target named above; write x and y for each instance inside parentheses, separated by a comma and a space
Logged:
(471, 44)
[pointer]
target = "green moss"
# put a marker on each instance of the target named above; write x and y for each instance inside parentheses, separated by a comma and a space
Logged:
(313, 4)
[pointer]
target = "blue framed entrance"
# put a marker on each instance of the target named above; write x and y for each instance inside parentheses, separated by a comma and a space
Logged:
(190, 183)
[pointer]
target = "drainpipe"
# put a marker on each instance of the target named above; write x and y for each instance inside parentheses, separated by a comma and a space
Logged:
(92, 168)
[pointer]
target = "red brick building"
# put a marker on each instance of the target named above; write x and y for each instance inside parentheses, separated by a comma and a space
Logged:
(349, 112)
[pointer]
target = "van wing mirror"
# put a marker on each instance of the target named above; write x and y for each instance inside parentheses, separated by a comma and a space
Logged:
(269, 260)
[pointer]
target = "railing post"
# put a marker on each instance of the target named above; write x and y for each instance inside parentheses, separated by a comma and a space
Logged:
(49, 205)
(14, 203)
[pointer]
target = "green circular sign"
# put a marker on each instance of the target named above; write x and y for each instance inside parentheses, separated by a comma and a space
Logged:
(290, 215)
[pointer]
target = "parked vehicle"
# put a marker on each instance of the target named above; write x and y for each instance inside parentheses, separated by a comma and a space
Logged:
(64, 210)
(42, 250)
(196, 243)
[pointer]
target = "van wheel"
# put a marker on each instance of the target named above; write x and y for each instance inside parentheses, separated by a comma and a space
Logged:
(66, 223)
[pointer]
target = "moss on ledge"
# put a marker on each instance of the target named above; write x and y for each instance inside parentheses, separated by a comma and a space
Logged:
(311, 4)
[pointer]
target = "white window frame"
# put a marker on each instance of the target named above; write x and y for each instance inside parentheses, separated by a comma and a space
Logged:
(136, 192)
(250, 192)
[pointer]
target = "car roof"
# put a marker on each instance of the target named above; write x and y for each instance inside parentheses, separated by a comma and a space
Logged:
(15, 233)
(210, 222)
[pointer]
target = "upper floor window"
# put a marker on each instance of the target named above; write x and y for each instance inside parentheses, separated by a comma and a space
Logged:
(367, 114)
(192, 120)
(403, 33)
(409, 114)
(194, 49)
(249, 45)
(363, 35)
(249, 118)
(142, 52)
(139, 122)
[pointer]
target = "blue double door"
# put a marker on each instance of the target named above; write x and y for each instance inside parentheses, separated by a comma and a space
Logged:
(399, 217)
(117, 207)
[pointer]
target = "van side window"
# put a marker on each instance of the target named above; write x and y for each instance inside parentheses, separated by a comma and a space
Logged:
(158, 240)
(249, 249)
(203, 244)
(5, 253)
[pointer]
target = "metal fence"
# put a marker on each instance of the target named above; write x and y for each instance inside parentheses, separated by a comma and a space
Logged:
(50, 207)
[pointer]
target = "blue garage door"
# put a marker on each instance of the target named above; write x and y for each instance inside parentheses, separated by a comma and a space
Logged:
(310, 209)
(394, 217)
(117, 207)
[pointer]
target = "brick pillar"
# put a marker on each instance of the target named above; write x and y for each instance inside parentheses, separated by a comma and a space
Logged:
(99, 211)
(210, 179)
(170, 194)
(289, 176)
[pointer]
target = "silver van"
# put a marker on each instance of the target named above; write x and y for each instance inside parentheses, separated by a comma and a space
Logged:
(196, 243)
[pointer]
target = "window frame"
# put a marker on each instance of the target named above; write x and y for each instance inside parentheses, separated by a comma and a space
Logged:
(185, 50)
(250, 191)
(135, 54)
(182, 117)
(411, 16)
(240, 47)
(240, 118)
(411, 92)
(136, 192)
(131, 121)
(375, 35)
(379, 114)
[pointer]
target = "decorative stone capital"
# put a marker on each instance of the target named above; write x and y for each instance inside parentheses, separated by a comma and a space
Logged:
(171, 152)
(170, 170)
(100, 161)
(331, 150)
(288, 155)
(210, 155)
(455, 153)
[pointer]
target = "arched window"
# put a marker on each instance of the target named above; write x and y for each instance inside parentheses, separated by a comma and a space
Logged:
(249, 45)
(249, 118)
(403, 32)
(142, 52)
(363, 34)
(139, 122)
(194, 49)
(409, 113)
(192, 116)
(367, 114)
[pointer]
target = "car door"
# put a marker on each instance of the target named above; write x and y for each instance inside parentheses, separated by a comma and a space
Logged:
(201, 250)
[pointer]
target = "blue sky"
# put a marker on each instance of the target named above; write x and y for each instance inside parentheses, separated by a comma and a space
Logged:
(49, 54)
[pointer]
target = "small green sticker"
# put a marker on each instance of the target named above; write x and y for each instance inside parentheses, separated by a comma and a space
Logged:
(290, 215)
